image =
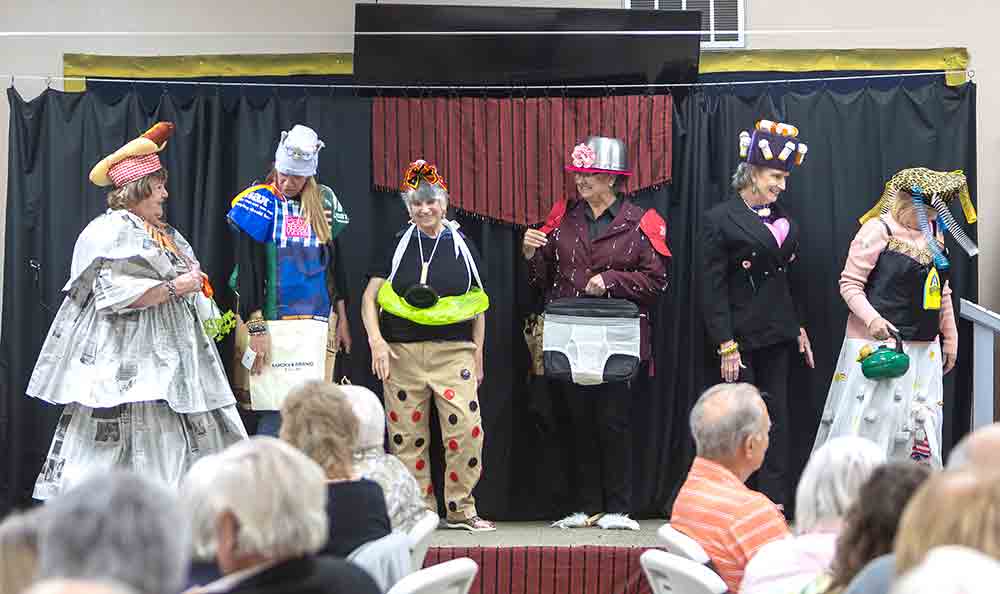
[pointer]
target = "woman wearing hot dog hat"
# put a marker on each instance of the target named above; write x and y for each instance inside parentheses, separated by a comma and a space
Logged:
(603, 246)
(754, 321)
(129, 353)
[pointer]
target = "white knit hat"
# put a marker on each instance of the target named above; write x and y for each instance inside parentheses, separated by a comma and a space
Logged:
(298, 151)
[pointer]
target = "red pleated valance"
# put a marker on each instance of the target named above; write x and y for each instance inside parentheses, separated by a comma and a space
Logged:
(503, 158)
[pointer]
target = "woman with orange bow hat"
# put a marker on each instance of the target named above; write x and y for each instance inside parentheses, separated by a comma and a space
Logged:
(424, 310)
(131, 353)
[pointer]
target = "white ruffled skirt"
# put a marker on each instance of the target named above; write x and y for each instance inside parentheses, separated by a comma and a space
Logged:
(902, 415)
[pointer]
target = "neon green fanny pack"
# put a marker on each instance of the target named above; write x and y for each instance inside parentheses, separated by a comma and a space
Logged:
(448, 310)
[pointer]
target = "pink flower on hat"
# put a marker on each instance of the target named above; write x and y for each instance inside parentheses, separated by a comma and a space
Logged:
(583, 156)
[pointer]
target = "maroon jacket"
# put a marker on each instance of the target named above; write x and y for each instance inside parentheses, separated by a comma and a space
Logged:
(623, 255)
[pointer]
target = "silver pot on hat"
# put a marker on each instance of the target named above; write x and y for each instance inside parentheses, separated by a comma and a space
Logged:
(610, 156)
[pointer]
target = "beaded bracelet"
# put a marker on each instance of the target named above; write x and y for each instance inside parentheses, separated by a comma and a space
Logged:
(171, 290)
(730, 349)
(256, 327)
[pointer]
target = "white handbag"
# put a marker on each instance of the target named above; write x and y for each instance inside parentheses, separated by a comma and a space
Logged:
(298, 355)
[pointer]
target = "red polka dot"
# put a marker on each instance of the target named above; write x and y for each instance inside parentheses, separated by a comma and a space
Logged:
(476, 432)
(393, 416)
(430, 489)
(453, 445)
(421, 464)
(449, 394)
(416, 416)
(454, 477)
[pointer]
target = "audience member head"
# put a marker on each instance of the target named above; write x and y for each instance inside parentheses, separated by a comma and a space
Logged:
(872, 520)
(831, 480)
(979, 449)
(317, 419)
(195, 488)
(78, 586)
(370, 414)
(953, 508)
(268, 501)
(951, 570)
(19, 550)
(730, 425)
(117, 526)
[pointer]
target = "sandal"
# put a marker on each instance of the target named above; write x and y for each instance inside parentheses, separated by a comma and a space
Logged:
(473, 524)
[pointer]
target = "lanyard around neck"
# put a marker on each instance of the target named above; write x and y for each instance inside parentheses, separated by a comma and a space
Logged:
(426, 264)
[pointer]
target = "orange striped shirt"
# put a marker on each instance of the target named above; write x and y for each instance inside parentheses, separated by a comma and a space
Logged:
(729, 520)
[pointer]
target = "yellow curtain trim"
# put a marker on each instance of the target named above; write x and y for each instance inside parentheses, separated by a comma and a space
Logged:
(92, 65)
(343, 63)
(951, 58)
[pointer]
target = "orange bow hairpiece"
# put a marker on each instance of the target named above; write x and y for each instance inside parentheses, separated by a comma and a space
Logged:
(422, 170)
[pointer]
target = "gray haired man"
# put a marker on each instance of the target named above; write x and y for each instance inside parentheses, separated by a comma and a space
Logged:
(730, 425)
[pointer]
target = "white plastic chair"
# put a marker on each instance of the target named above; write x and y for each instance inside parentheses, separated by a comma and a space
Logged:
(681, 544)
(450, 577)
(386, 559)
(420, 538)
(671, 574)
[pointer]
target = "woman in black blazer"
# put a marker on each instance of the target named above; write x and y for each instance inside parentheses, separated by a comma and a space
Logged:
(750, 310)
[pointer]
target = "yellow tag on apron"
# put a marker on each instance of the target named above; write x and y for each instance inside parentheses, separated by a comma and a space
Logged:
(932, 290)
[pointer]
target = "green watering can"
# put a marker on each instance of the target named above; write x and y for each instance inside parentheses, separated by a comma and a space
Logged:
(884, 362)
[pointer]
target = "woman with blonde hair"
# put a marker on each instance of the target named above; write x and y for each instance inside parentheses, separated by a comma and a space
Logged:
(318, 420)
(289, 267)
(895, 283)
(971, 518)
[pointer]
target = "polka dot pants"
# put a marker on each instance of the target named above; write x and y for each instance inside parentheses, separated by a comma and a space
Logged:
(445, 373)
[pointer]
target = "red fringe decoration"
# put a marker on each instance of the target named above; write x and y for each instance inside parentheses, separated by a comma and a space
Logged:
(503, 158)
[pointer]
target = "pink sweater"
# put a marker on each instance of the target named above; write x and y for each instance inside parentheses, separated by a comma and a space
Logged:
(861, 259)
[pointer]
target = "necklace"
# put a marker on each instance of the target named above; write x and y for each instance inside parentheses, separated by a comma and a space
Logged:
(761, 211)
(426, 264)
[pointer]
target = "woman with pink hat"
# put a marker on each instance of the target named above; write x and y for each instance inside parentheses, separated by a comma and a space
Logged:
(603, 247)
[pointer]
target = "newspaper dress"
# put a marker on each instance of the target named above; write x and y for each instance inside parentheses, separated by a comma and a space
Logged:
(142, 388)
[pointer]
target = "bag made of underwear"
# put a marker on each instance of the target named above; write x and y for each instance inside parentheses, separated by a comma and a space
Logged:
(591, 340)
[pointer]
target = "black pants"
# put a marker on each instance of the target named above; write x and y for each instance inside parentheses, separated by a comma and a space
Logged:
(601, 454)
(767, 368)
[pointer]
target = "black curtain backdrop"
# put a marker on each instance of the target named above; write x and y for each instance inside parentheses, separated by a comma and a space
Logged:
(858, 137)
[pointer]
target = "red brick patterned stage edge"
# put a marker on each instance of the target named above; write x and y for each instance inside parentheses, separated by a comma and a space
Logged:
(503, 158)
(551, 570)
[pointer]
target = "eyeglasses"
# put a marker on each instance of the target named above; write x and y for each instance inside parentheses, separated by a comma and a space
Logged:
(299, 154)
